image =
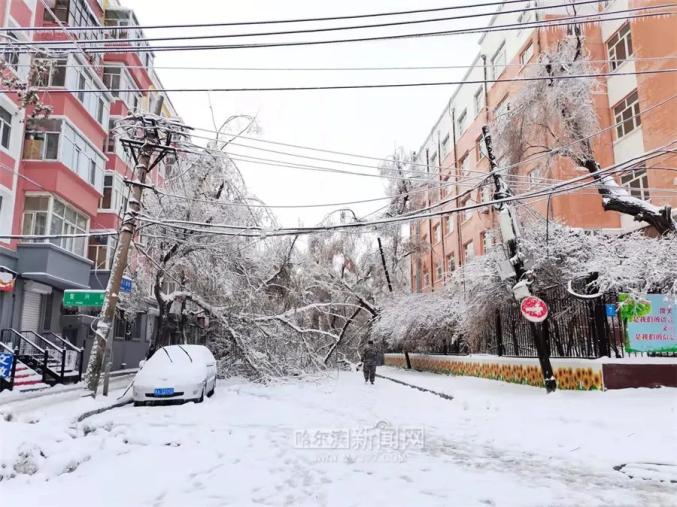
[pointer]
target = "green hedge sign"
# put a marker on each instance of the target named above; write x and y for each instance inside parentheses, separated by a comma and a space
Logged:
(649, 322)
(90, 298)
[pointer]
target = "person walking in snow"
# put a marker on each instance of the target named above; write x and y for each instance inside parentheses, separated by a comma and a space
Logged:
(369, 359)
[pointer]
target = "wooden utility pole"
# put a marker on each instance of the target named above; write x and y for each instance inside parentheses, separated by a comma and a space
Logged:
(510, 232)
(149, 138)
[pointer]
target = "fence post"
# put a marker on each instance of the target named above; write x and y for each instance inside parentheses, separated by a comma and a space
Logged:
(13, 372)
(499, 334)
(602, 331)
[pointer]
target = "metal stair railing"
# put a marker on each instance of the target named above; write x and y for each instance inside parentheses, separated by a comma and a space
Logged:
(7, 382)
(55, 354)
(71, 350)
(26, 351)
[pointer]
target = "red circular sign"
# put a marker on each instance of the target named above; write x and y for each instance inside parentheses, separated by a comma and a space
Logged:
(534, 309)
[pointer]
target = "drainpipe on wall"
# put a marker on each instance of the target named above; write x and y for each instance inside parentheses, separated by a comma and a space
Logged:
(457, 189)
(441, 225)
(430, 234)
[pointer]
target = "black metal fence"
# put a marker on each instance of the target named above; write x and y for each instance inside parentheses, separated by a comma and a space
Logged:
(574, 328)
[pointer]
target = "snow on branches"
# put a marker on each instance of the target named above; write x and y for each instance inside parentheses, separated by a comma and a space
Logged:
(556, 117)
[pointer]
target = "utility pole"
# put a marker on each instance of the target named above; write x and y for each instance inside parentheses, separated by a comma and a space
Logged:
(385, 266)
(511, 235)
(147, 142)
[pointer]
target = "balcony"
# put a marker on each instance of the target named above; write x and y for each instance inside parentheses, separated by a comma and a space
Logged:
(50, 264)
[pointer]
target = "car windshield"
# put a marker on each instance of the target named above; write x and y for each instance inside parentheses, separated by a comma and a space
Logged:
(172, 359)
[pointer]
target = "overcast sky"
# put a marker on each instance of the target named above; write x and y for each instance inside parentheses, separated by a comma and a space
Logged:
(370, 122)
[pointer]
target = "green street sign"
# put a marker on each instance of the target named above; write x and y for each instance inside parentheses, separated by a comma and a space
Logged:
(91, 298)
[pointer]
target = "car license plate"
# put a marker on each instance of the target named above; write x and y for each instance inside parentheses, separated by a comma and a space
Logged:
(164, 391)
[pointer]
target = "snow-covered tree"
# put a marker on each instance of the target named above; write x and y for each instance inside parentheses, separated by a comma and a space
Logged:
(558, 111)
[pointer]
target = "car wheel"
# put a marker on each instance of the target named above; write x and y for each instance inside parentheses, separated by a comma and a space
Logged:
(211, 393)
(139, 403)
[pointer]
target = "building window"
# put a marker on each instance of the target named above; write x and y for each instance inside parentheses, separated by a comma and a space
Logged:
(479, 100)
(5, 128)
(121, 85)
(637, 182)
(460, 122)
(10, 52)
(53, 139)
(451, 263)
(619, 46)
(47, 213)
(526, 55)
(90, 95)
(465, 164)
(433, 162)
(437, 235)
(502, 108)
(439, 271)
(480, 148)
(100, 251)
(626, 114)
(487, 241)
(54, 74)
(445, 146)
(498, 62)
(468, 250)
(113, 193)
(467, 213)
(426, 278)
(42, 140)
(60, 10)
(448, 224)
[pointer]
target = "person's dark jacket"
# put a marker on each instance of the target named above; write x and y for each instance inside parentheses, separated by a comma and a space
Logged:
(370, 356)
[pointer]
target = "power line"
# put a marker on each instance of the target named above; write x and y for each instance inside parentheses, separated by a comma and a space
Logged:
(345, 69)
(282, 21)
(562, 188)
(643, 112)
(554, 189)
(120, 41)
(353, 86)
(434, 167)
(564, 21)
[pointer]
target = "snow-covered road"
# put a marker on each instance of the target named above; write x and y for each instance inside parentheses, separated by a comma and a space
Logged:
(336, 441)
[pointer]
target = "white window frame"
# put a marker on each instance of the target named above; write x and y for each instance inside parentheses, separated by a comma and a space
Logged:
(83, 153)
(92, 97)
(449, 224)
(437, 233)
(621, 39)
(117, 193)
(478, 100)
(627, 123)
(451, 266)
(67, 226)
(108, 251)
(636, 181)
(130, 98)
(5, 129)
(444, 146)
(461, 122)
(468, 248)
(465, 164)
(439, 270)
(527, 54)
(498, 66)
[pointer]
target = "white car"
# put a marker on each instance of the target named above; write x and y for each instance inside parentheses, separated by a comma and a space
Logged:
(176, 373)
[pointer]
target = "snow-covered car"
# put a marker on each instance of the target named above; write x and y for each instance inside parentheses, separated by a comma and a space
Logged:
(176, 373)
